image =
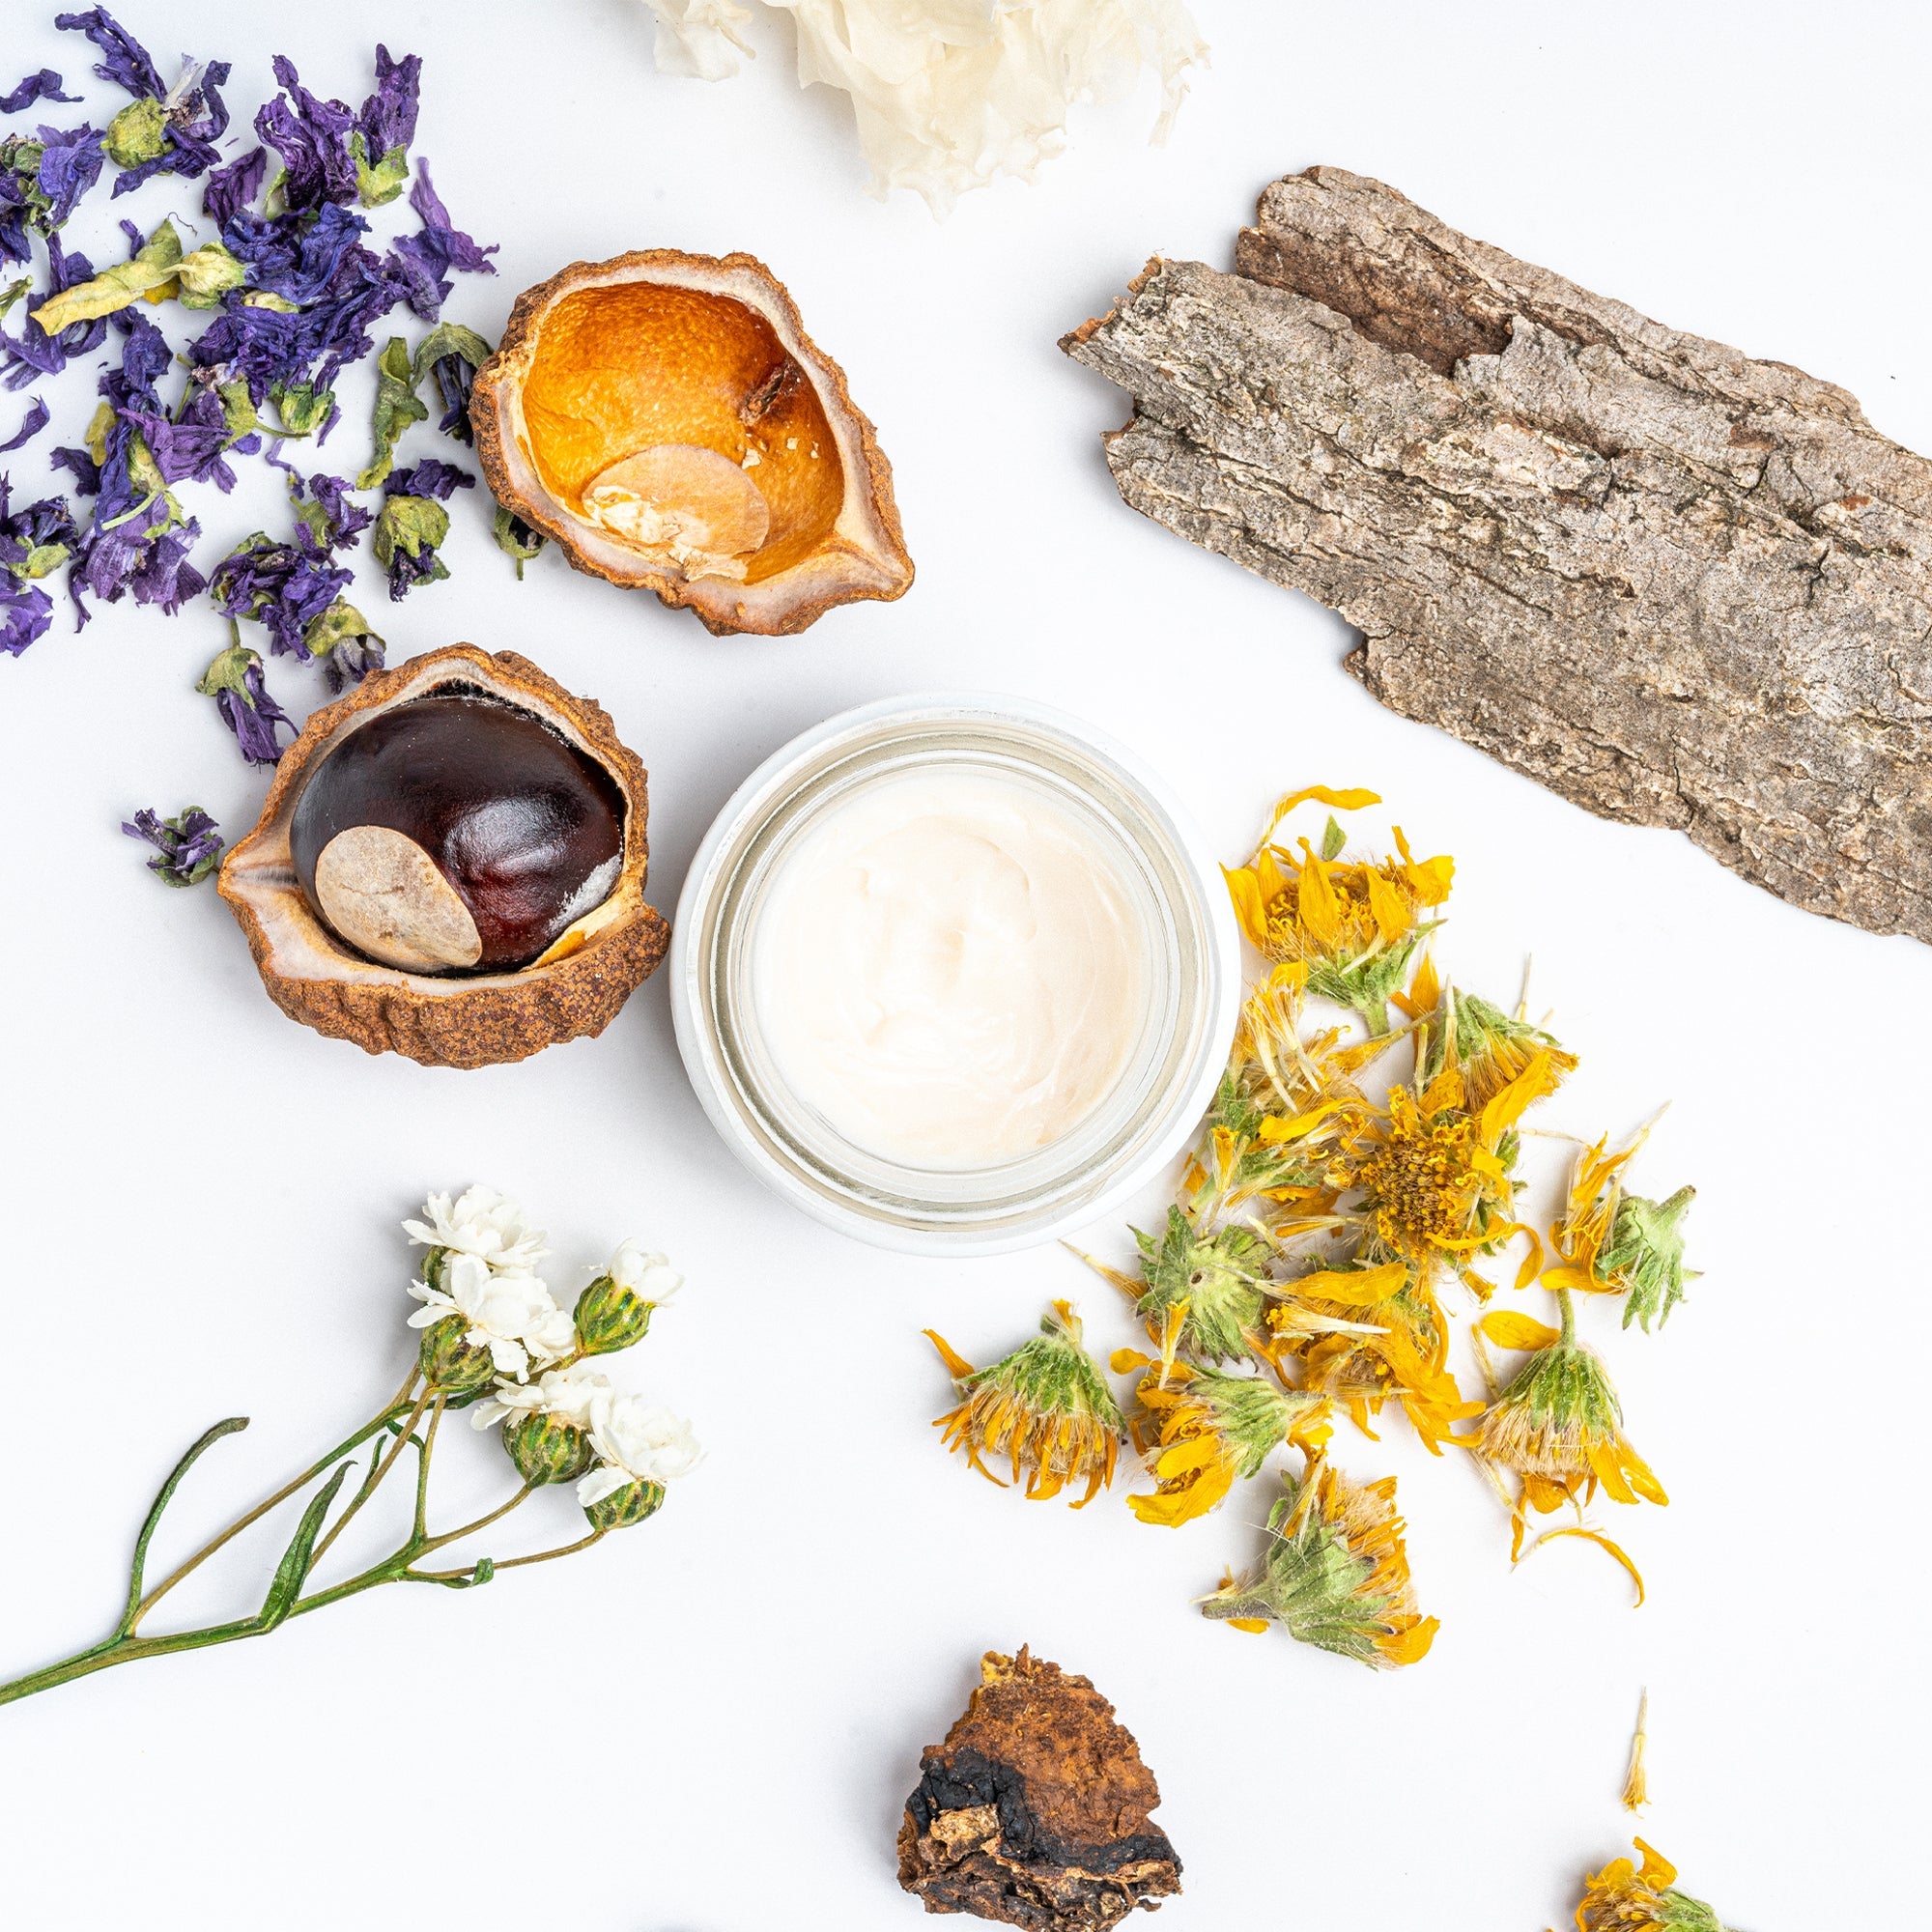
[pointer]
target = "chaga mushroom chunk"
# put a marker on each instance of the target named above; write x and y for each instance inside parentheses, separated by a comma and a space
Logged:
(1033, 1813)
(456, 833)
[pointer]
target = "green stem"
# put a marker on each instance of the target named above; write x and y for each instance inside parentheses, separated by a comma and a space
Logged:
(379, 1465)
(140, 1609)
(1566, 1303)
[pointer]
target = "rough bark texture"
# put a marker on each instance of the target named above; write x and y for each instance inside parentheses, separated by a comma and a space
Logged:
(1033, 1813)
(1677, 586)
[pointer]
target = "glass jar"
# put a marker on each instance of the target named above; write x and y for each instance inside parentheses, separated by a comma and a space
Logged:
(1166, 1082)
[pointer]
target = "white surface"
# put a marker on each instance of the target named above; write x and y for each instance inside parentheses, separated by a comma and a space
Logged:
(709, 1723)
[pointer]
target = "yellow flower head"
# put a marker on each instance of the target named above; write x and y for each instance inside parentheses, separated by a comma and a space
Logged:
(1335, 1573)
(1210, 1430)
(1612, 1242)
(1353, 927)
(1434, 1169)
(1627, 1897)
(1396, 1346)
(1045, 1409)
(1487, 1046)
(1560, 1426)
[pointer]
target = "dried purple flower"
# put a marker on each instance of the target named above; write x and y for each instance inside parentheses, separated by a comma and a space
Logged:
(231, 189)
(322, 505)
(298, 257)
(176, 136)
(427, 257)
(380, 142)
(47, 85)
(285, 586)
(348, 649)
(309, 134)
(188, 845)
(26, 612)
(414, 522)
(36, 420)
(86, 472)
(233, 680)
(128, 63)
(162, 574)
(518, 540)
(139, 539)
(34, 543)
(70, 161)
(452, 354)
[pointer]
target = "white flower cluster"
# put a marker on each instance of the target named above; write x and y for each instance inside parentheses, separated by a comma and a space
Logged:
(487, 1278)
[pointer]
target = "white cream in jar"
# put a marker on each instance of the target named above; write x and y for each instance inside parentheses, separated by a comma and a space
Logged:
(949, 968)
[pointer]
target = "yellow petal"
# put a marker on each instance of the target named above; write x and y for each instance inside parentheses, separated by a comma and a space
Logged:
(1505, 1108)
(1425, 991)
(1351, 800)
(1123, 1361)
(1316, 904)
(1274, 1130)
(1244, 889)
(1197, 1452)
(1603, 1543)
(1508, 1330)
(1409, 1644)
(1532, 1262)
(1579, 1279)
(956, 1363)
(1385, 905)
(1657, 1870)
(1254, 1626)
(1351, 1287)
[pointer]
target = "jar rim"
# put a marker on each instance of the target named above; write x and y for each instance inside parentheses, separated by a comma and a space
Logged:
(1073, 1179)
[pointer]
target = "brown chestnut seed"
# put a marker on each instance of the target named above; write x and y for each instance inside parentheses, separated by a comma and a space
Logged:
(456, 833)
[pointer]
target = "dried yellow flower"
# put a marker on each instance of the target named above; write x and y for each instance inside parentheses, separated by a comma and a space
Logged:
(1335, 1573)
(1355, 927)
(1046, 1408)
(1627, 1897)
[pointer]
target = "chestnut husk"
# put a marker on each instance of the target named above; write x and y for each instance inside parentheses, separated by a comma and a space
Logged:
(863, 556)
(574, 989)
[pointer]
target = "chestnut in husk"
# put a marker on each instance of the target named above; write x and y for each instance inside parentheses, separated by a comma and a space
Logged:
(456, 833)
(451, 865)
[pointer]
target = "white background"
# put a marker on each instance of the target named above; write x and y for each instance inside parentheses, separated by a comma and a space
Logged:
(709, 1724)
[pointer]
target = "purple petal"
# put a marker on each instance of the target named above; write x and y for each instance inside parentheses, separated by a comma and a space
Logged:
(311, 137)
(429, 478)
(69, 165)
(388, 117)
(46, 85)
(36, 420)
(127, 63)
(230, 189)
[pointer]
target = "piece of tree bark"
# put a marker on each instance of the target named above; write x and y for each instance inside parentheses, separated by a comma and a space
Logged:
(1677, 586)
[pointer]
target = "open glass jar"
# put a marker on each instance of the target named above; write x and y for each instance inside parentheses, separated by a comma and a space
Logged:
(1183, 1023)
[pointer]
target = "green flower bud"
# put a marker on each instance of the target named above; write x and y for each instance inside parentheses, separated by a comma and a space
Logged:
(623, 1507)
(137, 133)
(546, 1448)
(450, 1364)
(609, 1317)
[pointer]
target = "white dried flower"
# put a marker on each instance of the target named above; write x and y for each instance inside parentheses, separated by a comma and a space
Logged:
(483, 1223)
(511, 1314)
(566, 1393)
(648, 1275)
(950, 94)
(699, 38)
(637, 1441)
